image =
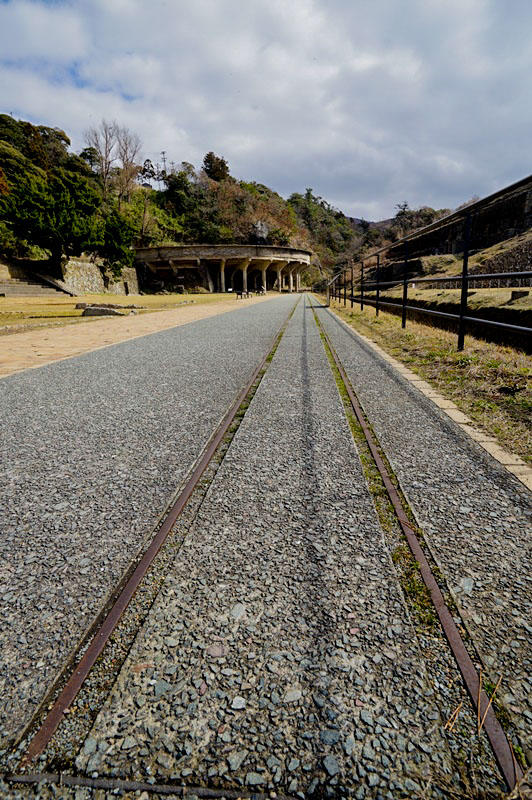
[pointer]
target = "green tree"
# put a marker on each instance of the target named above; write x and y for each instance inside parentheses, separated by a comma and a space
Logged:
(4, 186)
(72, 224)
(24, 202)
(11, 131)
(404, 218)
(151, 223)
(216, 167)
(117, 246)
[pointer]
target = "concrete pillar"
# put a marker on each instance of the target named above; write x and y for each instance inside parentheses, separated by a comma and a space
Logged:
(291, 271)
(203, 270)
(222, 275)
(300, 269)
(245, 266)
(264, 266)
(279, 266)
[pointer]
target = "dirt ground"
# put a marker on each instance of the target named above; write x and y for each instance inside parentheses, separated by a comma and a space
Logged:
(35, 347)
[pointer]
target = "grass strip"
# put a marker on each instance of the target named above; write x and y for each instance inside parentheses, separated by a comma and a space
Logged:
(416, 593)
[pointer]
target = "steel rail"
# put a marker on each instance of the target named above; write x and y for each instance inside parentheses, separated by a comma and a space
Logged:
(102, 635)
(497, 738)
(118, 784)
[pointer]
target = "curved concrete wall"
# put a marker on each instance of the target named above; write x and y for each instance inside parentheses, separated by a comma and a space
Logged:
(217, 264)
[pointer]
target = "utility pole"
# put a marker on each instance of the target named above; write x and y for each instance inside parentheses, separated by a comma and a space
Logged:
(163, 156)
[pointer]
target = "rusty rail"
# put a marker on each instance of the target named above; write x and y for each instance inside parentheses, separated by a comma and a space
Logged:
(102, 635)
(496, 735)
(119, 785)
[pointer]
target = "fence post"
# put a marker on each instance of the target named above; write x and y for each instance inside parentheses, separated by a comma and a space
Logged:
(378, 291)
(362, 286)
(465, 284)
(345, 287)
(405, 287)
(352, 281)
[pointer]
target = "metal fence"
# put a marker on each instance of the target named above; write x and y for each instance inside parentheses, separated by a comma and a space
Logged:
(359, 288)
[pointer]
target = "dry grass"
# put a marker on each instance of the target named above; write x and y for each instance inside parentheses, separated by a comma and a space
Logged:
(25, 313)
(477, 299)
(491, 383)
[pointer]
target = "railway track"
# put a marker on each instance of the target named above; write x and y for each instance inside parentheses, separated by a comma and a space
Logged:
(39, 737)
(69, 683)
(471, 677)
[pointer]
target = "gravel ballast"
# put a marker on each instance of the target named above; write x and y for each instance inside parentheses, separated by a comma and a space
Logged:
(279, 654)
(476, 516)
(93, 449)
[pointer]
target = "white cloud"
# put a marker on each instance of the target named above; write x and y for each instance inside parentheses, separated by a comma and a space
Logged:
(368, 103)
(31, 31)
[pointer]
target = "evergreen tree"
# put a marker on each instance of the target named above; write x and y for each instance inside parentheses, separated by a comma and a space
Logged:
(216, 167)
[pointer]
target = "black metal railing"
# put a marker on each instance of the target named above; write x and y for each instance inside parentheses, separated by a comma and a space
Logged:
(339, 292)
(359, 288)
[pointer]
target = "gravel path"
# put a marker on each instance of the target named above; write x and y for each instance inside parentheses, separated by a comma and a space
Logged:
(279, 654)
(476, 516)
(53, 341)
(93, 448)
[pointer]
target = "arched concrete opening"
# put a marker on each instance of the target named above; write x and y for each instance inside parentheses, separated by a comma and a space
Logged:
(258, 275)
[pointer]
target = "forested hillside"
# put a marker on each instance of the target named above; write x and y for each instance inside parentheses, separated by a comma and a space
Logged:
(106, 199)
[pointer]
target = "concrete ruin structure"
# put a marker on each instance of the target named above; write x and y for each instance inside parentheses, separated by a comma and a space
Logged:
(222, 267)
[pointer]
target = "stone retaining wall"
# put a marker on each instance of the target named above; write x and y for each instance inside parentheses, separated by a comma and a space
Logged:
(79, 276)
(12, 271)
(517, 259)
(87, 277)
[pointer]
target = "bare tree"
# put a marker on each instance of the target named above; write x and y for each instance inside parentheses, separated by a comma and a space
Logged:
(118, 153)
(129, 151)
(104, 140)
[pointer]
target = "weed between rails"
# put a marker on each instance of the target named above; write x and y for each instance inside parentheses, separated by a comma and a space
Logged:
(416, 593)
(467, 748)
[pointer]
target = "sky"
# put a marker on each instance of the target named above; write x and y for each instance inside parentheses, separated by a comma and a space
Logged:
(367, 102)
